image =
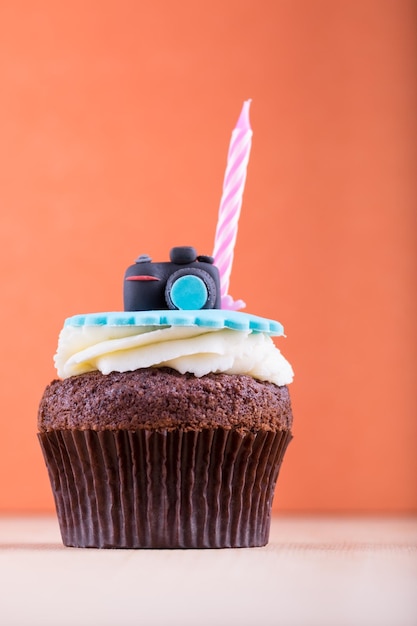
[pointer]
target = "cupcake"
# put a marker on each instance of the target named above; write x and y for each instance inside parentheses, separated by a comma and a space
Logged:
(170, 419)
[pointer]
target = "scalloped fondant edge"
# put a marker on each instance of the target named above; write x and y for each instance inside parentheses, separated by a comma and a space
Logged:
(204, 318)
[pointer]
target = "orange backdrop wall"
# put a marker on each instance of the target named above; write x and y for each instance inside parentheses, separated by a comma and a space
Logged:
(115, 119)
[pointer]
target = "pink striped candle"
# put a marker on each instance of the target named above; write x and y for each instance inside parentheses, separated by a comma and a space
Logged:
(230, 204)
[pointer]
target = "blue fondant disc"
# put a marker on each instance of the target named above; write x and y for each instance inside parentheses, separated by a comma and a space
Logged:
(189, 293)
(204, 318)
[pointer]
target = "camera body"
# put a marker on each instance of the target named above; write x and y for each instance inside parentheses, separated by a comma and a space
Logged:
(186, 282)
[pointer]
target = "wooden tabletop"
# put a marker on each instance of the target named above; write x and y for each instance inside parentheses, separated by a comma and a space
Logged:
(315, 571)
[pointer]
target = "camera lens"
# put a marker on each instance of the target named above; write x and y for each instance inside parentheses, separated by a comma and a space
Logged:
(190, 289)
(189, 292)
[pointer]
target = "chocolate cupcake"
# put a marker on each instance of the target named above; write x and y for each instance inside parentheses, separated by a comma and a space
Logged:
(167, 429)
(158, 459)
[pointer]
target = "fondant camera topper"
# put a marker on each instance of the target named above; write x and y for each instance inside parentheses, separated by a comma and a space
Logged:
(186, 282)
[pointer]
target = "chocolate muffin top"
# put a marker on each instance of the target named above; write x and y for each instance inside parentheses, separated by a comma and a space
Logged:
(163, 399)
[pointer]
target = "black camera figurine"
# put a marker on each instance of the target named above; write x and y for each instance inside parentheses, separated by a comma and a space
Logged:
(186, 282)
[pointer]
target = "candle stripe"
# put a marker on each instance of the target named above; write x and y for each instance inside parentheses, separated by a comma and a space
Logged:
(231, 202)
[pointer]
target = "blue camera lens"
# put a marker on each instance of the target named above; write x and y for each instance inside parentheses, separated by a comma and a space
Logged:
(188, 293)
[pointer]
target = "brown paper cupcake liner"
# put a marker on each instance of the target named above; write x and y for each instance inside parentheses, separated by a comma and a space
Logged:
(171, 489)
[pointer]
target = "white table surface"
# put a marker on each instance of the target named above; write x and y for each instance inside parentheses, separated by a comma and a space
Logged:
(314, 571)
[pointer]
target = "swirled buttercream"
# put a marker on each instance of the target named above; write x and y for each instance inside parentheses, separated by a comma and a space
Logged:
(191, 349)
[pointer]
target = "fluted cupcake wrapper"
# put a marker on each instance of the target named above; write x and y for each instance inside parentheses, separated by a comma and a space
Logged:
(171, 489)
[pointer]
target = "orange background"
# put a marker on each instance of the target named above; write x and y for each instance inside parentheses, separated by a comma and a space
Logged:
(115, 119)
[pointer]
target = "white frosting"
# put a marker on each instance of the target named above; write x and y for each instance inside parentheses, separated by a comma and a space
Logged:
(184, 348)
